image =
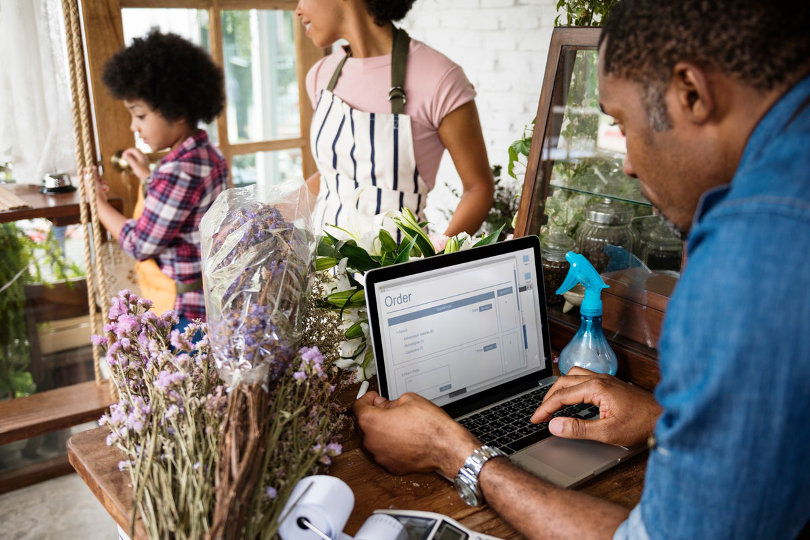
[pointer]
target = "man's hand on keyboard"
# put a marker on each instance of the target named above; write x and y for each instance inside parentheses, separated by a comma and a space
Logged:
(627, 414)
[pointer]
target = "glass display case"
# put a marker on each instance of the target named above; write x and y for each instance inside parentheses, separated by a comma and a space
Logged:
(575, 187)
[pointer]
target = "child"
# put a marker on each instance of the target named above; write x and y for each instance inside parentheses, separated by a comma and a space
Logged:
(168, 85)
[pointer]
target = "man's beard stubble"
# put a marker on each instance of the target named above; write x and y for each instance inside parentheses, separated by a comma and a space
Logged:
(677, 231)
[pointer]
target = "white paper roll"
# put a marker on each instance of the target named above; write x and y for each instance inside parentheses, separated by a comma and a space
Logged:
(382, 527)
(324, 501)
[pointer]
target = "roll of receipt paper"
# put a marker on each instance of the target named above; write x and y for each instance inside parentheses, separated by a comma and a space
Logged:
(323, 501)
(381, 527)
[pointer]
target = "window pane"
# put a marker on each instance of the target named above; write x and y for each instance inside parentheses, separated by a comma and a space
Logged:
(191, 24)
(277, 167)
(260, 75)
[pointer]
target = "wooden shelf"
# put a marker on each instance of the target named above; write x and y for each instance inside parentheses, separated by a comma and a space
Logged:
(34, 473)
(48, 411)
(61, 208)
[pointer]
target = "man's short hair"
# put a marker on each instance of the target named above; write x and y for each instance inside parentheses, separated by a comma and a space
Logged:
(761, 44)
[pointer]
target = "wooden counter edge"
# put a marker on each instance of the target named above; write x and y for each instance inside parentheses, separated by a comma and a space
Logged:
(97, 465)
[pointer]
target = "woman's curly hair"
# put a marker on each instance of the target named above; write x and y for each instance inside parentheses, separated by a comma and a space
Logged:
(172, 75)
(385, 11)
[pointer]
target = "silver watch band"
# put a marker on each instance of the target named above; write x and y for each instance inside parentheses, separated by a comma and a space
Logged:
(469, 472)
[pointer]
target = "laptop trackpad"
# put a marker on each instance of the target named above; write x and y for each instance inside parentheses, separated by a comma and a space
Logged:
(574, 458)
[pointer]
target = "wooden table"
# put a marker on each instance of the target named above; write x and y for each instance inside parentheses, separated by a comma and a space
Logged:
(97, 465)
(61, 208)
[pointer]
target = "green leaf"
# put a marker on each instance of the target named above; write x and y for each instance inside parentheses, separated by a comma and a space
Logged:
(358, 297)
(347, 299)
(367, 358)
(524, 147)
(325, 263)
(331, 239)
(388, 259)
(490, 238)
(388, 243)
(405, 251)
(327, 250)
(513, 158)
(355, 331)
(359, 259)
(423, 243)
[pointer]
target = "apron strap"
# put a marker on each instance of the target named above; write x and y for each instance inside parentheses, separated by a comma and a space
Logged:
(195, 285)
(399, 59)
(336, 75)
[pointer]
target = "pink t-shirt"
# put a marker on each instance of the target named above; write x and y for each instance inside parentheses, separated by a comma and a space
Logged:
(435, 86)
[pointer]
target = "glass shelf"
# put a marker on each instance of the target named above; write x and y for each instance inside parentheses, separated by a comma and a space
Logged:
(578, 161)
(633, 198)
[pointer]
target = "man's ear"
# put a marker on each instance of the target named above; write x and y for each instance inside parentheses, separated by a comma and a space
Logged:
(694, 92)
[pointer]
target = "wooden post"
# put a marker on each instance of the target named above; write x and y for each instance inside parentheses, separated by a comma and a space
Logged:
(104, 36)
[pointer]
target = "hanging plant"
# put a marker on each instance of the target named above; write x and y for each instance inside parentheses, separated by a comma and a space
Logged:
(583, 12)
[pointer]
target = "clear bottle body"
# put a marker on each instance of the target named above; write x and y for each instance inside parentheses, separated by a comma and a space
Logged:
(589, 349)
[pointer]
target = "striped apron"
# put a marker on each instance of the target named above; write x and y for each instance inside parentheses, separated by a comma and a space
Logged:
(366, 160)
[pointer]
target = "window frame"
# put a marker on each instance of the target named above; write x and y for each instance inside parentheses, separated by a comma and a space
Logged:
(104, 35)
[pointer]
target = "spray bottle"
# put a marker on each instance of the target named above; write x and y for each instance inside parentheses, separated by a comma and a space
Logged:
(589, 347)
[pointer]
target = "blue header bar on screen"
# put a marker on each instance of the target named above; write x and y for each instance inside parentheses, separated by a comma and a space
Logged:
(440, 308)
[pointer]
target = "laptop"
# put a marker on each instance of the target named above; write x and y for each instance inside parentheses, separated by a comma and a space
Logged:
(468, 331)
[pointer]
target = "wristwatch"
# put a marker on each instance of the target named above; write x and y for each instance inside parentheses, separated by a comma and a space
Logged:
(466, 480)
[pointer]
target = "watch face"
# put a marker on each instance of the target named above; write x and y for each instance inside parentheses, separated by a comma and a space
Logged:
(465, 492)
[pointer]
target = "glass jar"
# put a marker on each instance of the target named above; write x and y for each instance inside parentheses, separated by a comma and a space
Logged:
(6, 172)
(607, 223)
(553, 247)
(658, 247)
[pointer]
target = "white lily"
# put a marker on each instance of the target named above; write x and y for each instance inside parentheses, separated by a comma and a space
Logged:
(364, 230)
(465, 243)
(342, 276)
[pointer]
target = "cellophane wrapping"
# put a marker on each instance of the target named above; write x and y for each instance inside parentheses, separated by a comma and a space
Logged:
(257, 256)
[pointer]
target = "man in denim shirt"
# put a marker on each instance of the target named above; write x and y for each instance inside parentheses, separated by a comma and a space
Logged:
(714, 99)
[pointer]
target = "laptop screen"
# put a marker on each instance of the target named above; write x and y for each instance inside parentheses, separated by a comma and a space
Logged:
(455, 325)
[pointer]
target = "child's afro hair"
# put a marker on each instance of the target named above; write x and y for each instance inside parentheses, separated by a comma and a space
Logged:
(172, 75)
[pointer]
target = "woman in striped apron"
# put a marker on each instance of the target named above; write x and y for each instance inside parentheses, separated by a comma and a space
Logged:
(373, 157)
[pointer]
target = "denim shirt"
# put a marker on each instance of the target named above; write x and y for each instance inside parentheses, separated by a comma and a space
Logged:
(733, 443)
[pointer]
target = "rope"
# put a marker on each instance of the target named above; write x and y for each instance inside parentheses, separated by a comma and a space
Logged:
(84, 157)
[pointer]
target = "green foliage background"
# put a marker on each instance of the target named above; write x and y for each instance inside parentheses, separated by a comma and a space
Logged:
(22, 262)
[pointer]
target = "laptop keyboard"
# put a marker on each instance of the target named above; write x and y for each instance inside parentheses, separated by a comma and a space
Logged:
(507, 425)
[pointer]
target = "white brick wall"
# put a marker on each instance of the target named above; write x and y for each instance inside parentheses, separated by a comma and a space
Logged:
(502, 45)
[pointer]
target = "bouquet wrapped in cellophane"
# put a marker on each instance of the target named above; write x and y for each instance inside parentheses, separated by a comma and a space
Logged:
(258, 248)
(257, 257)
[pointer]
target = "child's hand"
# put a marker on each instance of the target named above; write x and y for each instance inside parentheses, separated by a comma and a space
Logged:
(138, 161)
(101, 187)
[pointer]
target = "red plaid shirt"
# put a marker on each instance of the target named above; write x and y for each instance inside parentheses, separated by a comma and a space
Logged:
(178, 192)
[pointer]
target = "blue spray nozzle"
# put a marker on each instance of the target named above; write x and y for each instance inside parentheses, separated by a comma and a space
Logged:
(582, 271)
